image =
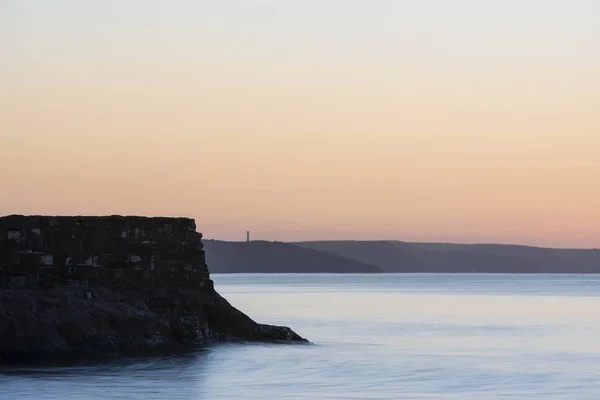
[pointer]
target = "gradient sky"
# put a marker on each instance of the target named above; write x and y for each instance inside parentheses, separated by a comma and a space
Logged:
(429, 120)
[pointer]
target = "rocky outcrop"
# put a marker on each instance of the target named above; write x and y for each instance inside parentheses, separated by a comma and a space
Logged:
(85, 285)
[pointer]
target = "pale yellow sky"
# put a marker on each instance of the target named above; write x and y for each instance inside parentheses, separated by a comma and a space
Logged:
(308, 120)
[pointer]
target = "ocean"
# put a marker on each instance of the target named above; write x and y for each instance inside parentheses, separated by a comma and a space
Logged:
(459, 337)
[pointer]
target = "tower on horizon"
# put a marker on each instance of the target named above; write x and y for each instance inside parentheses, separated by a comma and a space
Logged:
(248, 236)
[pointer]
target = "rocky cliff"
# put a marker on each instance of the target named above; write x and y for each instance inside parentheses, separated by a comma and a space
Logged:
(81, 285)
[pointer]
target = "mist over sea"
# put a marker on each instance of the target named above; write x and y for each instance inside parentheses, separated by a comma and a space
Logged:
(376, 336)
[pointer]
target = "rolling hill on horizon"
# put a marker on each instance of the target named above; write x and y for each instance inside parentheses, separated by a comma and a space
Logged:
(551, 260)
(277, 257)
(394, 256)
(403, 257)
(398, 256)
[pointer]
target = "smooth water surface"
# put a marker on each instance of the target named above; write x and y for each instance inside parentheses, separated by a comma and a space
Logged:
(477, 337)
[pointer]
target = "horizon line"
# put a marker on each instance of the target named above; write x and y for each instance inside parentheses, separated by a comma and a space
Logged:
(407, 242)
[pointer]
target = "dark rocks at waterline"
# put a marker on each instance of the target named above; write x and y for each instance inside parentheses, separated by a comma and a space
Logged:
(78, 320)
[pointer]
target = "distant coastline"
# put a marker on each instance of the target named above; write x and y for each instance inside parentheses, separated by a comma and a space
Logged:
(394, 257)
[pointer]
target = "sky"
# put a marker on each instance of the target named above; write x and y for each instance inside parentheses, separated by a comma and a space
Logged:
(458, 121)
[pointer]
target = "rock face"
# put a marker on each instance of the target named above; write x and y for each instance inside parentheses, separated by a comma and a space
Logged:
(72, 285)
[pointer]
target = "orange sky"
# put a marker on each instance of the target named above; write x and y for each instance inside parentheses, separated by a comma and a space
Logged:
(336, 121)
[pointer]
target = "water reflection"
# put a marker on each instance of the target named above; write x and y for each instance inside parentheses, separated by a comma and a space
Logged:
(386, 337)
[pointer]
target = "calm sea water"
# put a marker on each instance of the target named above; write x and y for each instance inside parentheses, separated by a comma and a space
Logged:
(460, 337)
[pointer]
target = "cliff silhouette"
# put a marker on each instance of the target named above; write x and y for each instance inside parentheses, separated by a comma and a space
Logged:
(91, 285)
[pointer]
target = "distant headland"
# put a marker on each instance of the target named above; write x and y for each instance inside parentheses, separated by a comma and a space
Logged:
(394, 257)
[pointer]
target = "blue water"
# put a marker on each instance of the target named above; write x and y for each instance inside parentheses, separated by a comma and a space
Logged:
(479, 337)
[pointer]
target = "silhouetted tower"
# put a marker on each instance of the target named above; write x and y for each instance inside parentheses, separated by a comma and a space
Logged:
(248, 236)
